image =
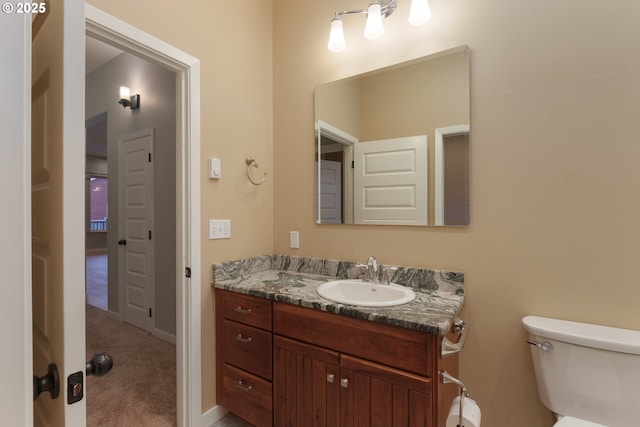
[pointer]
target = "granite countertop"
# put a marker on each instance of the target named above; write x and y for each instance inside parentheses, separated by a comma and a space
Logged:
(294, 280)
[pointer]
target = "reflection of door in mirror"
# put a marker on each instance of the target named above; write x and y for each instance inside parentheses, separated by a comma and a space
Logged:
(334, 178)
(391, 181)
(331, 190)
(452, 175)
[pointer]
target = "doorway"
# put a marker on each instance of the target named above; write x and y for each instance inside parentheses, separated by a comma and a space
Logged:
(186, 174)
(96, 212)
(140, 149)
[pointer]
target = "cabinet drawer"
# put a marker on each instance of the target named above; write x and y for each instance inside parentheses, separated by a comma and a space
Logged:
(246, 309)
(405, 349)
(247, 348)
(247, 396)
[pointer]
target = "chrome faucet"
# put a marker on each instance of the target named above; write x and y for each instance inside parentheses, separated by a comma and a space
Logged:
(371, 273)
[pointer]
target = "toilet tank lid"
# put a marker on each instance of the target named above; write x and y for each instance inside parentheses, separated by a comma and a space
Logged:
(589, 335)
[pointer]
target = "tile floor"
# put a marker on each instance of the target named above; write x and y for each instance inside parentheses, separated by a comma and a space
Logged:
(231, 420)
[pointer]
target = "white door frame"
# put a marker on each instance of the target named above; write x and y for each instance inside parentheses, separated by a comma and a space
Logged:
(118, 33)
(441, 134)
(348, 142)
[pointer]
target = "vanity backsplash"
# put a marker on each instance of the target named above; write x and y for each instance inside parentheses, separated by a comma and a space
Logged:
(418, 278)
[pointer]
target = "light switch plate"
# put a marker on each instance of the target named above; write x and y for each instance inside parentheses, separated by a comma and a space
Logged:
(294, 240)
(219, 229)
(215, 171)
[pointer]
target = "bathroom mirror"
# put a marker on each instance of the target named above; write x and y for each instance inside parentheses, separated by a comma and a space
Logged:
(392, 145)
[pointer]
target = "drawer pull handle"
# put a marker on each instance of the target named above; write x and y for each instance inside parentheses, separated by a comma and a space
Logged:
(331, 378)
(239, 309)
(344, 383)
(240, 338)
(243, 387)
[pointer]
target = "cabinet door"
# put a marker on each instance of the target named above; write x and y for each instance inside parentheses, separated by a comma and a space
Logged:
(374, 395)
(306, 384)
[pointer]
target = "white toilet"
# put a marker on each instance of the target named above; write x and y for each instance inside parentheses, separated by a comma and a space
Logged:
(588, 375)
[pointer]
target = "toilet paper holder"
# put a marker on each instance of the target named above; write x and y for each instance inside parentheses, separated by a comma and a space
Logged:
(447, 378)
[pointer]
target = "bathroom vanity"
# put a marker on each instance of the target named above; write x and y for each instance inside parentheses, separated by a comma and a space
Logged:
(287, 357)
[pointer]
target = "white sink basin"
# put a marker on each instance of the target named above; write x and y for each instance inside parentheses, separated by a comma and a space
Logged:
(357, 292)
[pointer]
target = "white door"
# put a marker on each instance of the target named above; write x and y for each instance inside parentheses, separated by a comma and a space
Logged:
(330, 192)
(57, 201)
(390, 181)
(135, 213)
(16, 404)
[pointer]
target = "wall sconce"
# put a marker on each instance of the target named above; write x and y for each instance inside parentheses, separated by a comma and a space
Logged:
(376, 12)
(132, 101)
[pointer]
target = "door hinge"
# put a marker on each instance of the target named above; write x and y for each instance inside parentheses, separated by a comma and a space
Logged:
(149, 157)
(150, 312)
(149, 234)
(353, 164)
(187, 271)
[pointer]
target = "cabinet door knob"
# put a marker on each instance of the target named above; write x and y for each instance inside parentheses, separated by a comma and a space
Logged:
(344, 383)
(331, 378)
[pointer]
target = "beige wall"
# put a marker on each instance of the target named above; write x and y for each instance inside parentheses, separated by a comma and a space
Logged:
(554, 207)
(554, 104)
(232, 39)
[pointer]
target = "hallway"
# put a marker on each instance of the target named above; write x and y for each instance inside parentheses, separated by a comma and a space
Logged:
(96, 281)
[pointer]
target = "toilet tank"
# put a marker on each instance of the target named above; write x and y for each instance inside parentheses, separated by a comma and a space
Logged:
(591, 372)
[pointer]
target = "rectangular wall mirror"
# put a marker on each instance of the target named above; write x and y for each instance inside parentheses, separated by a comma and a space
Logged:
(392, 145)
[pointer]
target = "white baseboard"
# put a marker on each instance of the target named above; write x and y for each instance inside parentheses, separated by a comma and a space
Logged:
(113, 315)
(213, 415)
(164, 336)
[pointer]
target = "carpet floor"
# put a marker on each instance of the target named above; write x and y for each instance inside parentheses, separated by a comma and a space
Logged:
(140, 390)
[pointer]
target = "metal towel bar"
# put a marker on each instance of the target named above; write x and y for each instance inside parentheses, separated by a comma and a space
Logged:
(450, 348)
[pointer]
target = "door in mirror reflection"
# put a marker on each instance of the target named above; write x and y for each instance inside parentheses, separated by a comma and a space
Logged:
(452, 176)
(390, 181)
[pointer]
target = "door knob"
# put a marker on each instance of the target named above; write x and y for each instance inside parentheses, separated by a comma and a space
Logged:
(49, 382)
(99, 365)
(122, 242)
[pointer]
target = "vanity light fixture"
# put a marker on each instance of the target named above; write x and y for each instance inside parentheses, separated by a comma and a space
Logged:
(127, 100)
(419, 13)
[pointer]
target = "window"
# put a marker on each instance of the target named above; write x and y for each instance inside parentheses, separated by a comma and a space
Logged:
(98, 190)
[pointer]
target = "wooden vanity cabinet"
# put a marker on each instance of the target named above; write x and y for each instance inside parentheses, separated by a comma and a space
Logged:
(327, 369)
(331, 370)
(244, 356)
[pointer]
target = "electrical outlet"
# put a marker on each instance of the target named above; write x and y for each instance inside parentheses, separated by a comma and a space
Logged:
(294, 239)
(219, 229)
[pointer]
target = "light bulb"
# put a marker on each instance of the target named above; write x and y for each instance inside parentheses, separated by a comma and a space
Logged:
(374, 28)
(124, 92)
(336, 37)
(419, 12)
